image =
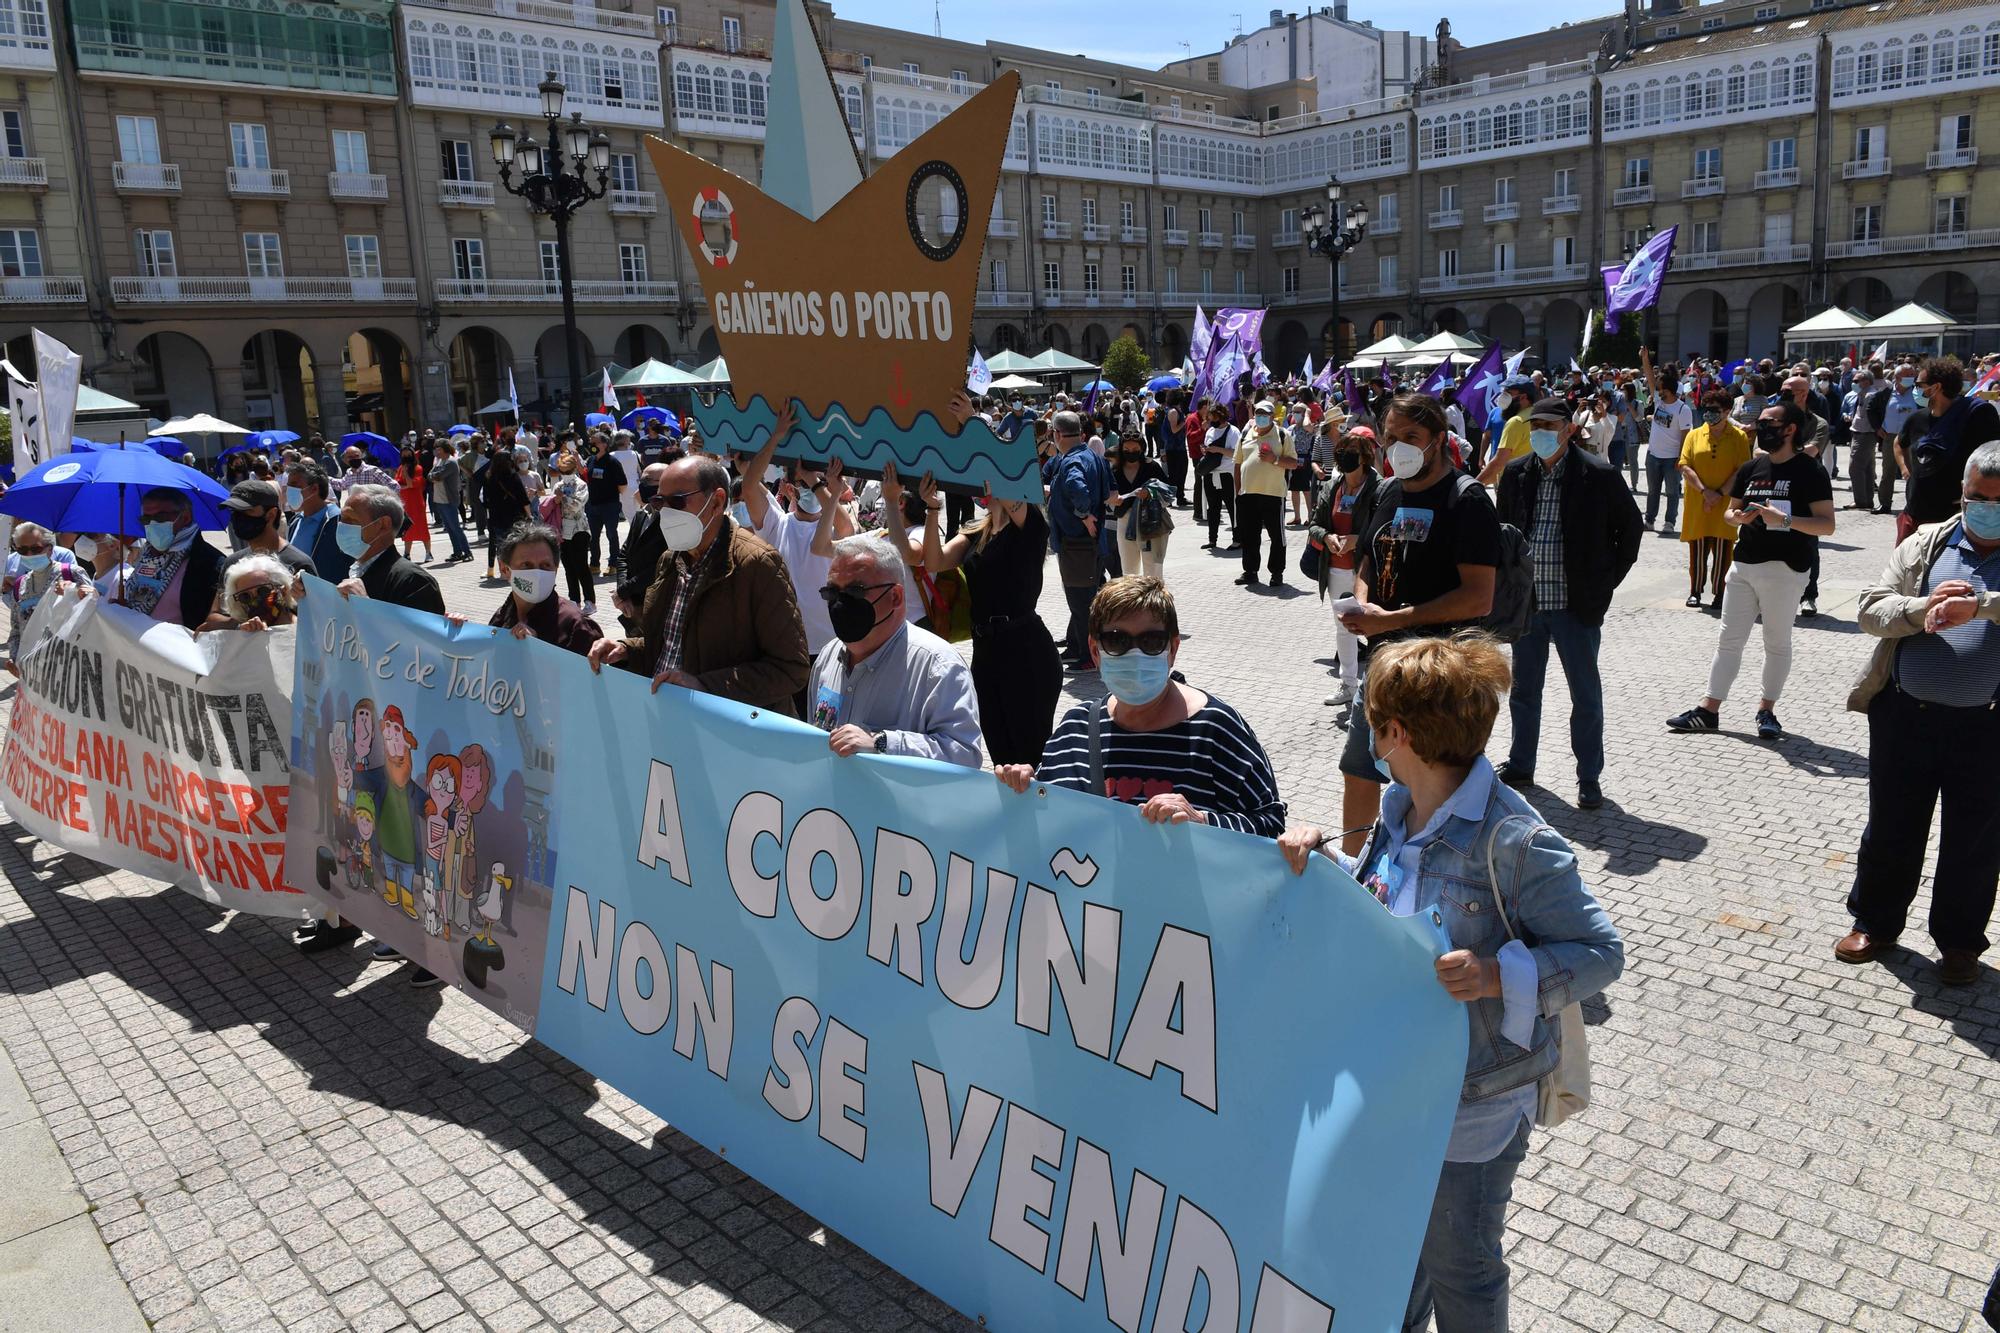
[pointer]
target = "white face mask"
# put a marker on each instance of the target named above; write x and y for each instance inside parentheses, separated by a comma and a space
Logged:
(1405, 460)
(533, 585)
(85, 549)
(681, 530)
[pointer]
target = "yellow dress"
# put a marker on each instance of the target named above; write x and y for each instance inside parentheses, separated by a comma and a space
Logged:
(1715, 453)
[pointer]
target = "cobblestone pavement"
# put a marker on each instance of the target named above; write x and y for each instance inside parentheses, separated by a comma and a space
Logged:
(1778, 1141)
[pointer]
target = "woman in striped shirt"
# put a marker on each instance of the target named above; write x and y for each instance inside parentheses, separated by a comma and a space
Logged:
(1180, 755)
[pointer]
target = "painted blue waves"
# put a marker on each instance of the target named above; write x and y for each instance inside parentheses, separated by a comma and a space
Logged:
(973, 457)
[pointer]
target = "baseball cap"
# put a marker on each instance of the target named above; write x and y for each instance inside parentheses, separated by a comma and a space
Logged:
(1265, 405)
(1513, 382)
(1549, 409)
(253, 494)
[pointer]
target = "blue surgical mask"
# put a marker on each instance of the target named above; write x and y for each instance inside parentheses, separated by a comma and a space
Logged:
(1263, 418)
(1544, 442)
(741, 513)
(32, 563)
(1136, 678)
(808, 503)
(348, 537)
(1982, 519)
(1381, 762)
(160, 534)
(294, 498)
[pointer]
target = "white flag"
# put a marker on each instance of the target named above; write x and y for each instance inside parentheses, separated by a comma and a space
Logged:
(978, 379)
(58, 371)
(1589, 324)
(1514, 361)
(513, 396)
(1574, 366)
(1881, 353)
(24, 405)
(610, 394)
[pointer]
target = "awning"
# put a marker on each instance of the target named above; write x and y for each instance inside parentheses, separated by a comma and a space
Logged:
(1830, 324)
(1912, 320)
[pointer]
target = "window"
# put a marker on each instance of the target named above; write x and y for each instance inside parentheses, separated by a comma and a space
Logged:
(960, 80)
(996, 275)
(1051, 278)
(138, 139)
(1291, 277)
(1090, 283)
(632, 266)
(350, 152)
(364, 257)
(1447, 263)
(1562, 251)
(263, 257)
(1385, 272)
(1781, 154)
(1638, 171)
(1712, 22)
(1948, 217)
(249, 147)
(20, 253)
(1089, 211)
(1206, 218)
(732, 34)
(154, 251)
(1871, 143)
(1669, 30)
(1093, 97)
(1288, 222)
(456, 159)
(1708, 164)
(1048, 208)
(1565, 187)
(468, 258)
(1954, 133)
(1126, 213)
(1704, 237)
(1765, 12)
(669, 19)
(624, 171)
(1052, 85)
(1236, 222)
(13, 135)
(1173, 279)
(1385, 210)
(1503, 256)
(1447, 198)
(1170, 216)
(1128, 279)
(1632, 238)
(1240, 277)
(551, 264)
(1208, 282)
(1503, 190)
(912, 67)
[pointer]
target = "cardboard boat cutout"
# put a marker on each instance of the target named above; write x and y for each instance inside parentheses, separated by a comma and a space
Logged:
(851, 296)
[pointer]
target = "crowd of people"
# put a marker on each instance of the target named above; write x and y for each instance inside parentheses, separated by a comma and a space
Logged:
(1438, 544)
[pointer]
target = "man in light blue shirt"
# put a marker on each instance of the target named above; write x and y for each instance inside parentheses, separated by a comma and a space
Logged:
(1903, 400)
(882, 684)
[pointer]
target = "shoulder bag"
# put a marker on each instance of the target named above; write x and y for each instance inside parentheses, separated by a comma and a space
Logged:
(1564, 1090)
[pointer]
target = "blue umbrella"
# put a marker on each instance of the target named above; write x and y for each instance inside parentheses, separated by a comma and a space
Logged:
(1098, 386)
(378, 446)
(600, 419)
(1160, 382)
(252, 445)
(165, 446)
(272, 438)
(99, 491)
(631, 420)
(463, 429)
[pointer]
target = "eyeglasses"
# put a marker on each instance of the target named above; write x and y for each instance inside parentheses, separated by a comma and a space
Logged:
(32, 550)
(832, 592)
(1118, 642)
(678, 499)
(252, 596)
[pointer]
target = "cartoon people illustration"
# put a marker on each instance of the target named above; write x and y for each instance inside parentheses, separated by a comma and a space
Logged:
(475, 784)
(364, 845)
(441, 779)
(399, 814)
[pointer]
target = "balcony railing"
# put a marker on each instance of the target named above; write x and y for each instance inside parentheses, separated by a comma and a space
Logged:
(1132, 235)
(1944, 159)
(146, 177)
(40, 291)
(260, 182)
(557, 11)
(1002, 300)
(1506, 212)
(1096, 232)
(1083, 101)
(635, 202)
(1557, 205)
(1503, 277)
(1057, 231)
(228, 291)
(1740, 258)
(1701, 187)
(1775, 178)
(1284, 240)
(1864, 168)
(1211, 240)
(357, 185)
(536, 291)
(1004, 227)
(1627, 195)
(465, 194)
(1446, 217)
(1188, 300)
(1242, 241)
(1174, 236)
(1913, 244)
(1385, 226)
(24, 172)
(725, 41)
(1090, 299)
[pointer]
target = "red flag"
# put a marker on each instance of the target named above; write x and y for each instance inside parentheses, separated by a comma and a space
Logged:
(641, 395)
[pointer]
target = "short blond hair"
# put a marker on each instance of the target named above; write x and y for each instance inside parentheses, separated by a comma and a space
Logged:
(1133, 595)
(1445, 692)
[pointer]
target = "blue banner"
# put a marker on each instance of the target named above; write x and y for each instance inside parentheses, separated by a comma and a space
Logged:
(1062, 1067)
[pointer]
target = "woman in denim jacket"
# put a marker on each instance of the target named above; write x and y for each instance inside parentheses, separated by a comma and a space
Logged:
(1432, 703)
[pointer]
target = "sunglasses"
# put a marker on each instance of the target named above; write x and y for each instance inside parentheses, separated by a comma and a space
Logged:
(1118, 642)
(32, 550)
(252, 596)
(832, 592)
(679, 499)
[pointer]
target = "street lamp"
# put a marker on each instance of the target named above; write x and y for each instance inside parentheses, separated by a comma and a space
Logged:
(554, 181)
(1326, 233)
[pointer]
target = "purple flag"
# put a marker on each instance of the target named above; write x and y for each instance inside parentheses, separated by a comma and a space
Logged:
(1440, 379)
(1238, 325)
(1230, 363)
(1637, 286)
(1198, 344)
(1482, 385)
(1351, 391)
(1324, 380)
(1090, 394)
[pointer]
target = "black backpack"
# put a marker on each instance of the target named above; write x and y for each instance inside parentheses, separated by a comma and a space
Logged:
(1513, 580)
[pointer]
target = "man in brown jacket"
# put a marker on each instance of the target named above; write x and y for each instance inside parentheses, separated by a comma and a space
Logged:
(720, 615)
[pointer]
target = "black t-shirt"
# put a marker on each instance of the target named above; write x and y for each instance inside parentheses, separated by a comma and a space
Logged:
(605, 476)
(1793, 486)
(1936, 449)
(1416, 541)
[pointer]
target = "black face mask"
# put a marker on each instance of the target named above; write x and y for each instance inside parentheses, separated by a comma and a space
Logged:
(1770, 435)
(246, 527)
(1348, 460)
(852, 615)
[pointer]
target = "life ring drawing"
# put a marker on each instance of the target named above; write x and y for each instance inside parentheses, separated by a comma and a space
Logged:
(705, 203)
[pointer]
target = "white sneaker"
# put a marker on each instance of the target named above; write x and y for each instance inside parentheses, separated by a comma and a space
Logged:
(1342, 693)
(590, 608)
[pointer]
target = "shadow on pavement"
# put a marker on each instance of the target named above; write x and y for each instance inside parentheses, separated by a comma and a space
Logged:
(1824, 761)
(1631, 845)
(1969, 1009)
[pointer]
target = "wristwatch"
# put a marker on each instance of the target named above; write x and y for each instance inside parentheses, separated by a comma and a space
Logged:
(881, 742)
